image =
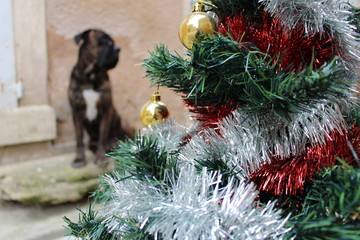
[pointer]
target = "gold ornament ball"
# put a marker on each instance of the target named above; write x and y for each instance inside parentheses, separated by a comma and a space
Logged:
(154, 111)
(196, 23)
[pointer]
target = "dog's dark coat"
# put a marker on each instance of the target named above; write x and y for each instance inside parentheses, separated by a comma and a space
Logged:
(97, 55)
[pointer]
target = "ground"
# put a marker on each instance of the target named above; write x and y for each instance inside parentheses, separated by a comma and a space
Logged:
(20, 222)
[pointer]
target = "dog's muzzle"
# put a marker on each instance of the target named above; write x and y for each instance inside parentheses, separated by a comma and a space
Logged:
(108, 57)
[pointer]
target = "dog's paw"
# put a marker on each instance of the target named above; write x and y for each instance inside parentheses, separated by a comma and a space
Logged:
(78, 162)
(101, 161)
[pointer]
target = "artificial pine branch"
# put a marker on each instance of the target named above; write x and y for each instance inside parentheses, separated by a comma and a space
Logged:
(331, 208)
(231, 7)
(215, 164)
(89, 226)
(103, 192)
(336, 193)
(323, 229)
(219, 71)
(143, 159)
(132, 231)
(353, 116)
(355, 18)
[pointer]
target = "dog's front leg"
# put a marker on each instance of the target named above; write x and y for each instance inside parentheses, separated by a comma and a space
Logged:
(100, 158)
(106, 111)
(78, 119)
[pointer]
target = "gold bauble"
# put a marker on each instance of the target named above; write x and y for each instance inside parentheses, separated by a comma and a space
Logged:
(196, 23)
(154, 111)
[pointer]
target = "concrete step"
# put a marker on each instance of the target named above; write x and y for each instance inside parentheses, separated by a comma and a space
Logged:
(19, 222)
(48, 181)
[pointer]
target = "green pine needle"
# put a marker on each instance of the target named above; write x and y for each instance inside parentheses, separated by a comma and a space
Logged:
(354, 18)
(133, 231)
(336, 193)
(143, 159)
(232, 7)
(89, 227)
(103, 192)
(332, 206)
(353, 116)
(324, 229)
(217, 165)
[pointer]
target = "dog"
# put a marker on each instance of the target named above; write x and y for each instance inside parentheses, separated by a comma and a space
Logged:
(90, 96)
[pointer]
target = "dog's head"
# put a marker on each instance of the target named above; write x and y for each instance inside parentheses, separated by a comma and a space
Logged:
(98, 48)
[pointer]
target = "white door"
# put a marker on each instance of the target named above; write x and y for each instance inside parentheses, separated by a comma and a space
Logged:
(8, 87)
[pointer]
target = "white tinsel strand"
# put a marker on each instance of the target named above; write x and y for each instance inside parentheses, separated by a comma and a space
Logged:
(190, 212)
(312, 14)
(169, 134)
(316, 16)
(245, 224)
(245, 141)
(131, 199)
(194, 208)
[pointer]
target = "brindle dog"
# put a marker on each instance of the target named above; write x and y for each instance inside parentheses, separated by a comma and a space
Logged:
(90, 96)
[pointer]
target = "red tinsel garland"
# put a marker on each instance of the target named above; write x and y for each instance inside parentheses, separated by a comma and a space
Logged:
(289, 176)
(295, 49)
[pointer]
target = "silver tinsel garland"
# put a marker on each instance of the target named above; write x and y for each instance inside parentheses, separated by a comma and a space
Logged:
(194, 207)
(245, 141)
(314, 15)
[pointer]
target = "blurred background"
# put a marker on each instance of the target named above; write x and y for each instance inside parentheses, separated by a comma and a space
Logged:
(37, 142)
(37, 53)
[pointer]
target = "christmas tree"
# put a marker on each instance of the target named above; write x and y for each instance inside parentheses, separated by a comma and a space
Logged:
(274, 151)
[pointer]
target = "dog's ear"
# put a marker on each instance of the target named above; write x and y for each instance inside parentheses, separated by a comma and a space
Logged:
(81, 36)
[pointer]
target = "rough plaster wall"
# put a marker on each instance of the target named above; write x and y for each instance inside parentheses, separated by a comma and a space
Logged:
(30, 42)
(136, 27)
